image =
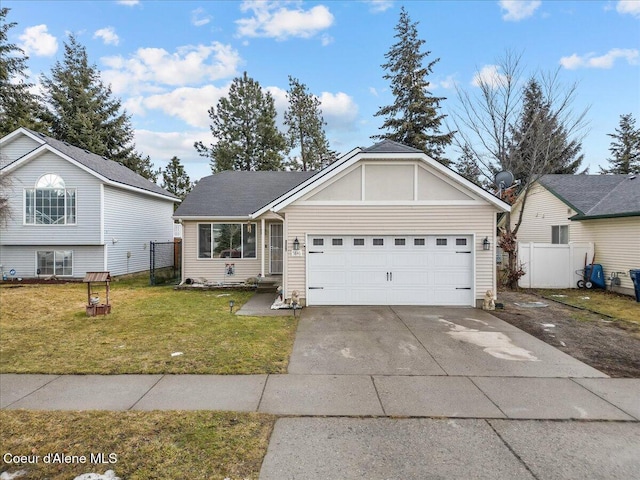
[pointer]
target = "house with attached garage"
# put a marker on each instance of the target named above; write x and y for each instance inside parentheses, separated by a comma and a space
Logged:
(384, 225)
(562, 211)
(72, 211)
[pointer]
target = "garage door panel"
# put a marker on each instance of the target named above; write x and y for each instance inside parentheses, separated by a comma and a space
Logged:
(391, 270)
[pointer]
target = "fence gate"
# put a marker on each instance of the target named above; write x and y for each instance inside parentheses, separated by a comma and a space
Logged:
(165, 262)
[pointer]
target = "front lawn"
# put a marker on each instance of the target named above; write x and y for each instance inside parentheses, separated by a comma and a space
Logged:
(618, 307)
(136, 445)
(44, 329)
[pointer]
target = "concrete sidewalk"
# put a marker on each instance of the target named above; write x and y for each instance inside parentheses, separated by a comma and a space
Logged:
(333, 395)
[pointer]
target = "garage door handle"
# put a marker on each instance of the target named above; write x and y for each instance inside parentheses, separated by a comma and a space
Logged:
(387, 276)
(463, 252)
(463, 288)
(316, 288)
(391, 276)
(316, 252)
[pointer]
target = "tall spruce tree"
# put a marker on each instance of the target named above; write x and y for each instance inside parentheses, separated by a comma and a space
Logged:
(625, 147)
(175, 179)
(539, 142)
(306, 129)
(467, 166)
(18, 106)
(244, 127)
(414, 118)
(83, 111)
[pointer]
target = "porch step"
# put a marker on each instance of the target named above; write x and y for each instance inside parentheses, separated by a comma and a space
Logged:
(268, 284)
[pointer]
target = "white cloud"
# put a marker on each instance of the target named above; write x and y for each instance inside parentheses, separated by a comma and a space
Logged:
(272, 20)
(148, 68)
(489, 75)
(37, 41)
(108, 36)
(128, 3)
(517, 10)
(339, 110)
(187, 103)
(199, 17)
(379, 6)
(631, 7)
(606, 61)
(161, 146)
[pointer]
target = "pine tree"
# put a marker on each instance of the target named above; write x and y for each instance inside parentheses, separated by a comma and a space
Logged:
(175, 179)
(18, 106)
(244, 125)
(306, 129)
(413, 119)
(625, 147)
(467, 166)
(539, 143)
(84, 113)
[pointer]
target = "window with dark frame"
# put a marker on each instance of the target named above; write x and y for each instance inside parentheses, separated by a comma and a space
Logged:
(441, 242)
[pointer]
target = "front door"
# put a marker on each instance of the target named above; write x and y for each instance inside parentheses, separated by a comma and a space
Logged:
(275, 248)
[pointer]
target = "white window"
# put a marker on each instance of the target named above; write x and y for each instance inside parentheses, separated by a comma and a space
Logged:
(50, 202)
(560, 234)
(227, 240)
(56, 262)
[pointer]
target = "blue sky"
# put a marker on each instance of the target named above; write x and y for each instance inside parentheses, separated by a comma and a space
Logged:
(169, 61)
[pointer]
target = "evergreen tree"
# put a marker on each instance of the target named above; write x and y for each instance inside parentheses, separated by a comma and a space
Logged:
(84, 113)
(413, 119)
(18, 106)
(244, 127)
(539, 143)
(306, 129)
(467, 166)
(625, 147)
(175, 179)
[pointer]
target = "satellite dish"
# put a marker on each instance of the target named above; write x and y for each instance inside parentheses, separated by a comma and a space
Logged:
(504, 180)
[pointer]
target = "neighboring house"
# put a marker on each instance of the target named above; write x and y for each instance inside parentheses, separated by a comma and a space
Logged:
(384, 225)
(603, 209)
(72, 211)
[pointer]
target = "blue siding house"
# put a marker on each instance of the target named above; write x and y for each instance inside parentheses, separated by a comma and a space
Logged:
(72, 211)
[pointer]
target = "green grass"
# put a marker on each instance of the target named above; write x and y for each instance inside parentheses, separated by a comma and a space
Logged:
(619, 307)
(147, 445)
(44, 329)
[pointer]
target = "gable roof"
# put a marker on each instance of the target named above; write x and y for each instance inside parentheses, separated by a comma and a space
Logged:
(389, 146)
(107, 169)
(596, 196)
(237, 193)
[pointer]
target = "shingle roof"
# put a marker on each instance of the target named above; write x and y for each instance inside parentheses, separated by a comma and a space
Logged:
(594, 196)
(110, 169)
(389, 146)
(237, 193)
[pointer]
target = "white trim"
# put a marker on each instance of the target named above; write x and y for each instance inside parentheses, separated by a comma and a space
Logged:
(263, 246)
(54, 250)
(102, 209)
(8, 137)
(405, 203)
(200, 218)
(321, 174)
(208, 259)
(271, 225)
(398, 158)
(34, 153)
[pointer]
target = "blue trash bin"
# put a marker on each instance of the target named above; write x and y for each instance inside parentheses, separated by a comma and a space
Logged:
(635, 276)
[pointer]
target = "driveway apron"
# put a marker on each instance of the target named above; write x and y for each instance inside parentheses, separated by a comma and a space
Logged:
(423, 341)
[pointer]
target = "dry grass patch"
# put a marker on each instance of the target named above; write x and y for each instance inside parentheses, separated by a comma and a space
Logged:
(44, 329)
(619, 307)
(147, 445)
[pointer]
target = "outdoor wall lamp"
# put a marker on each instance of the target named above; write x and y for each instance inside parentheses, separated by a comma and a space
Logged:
(296, 244)
(231, 304)
(486, 244)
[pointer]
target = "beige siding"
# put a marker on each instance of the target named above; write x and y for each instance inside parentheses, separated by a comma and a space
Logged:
(617, 244)
(542, 211)
(302, 220)
(212, 269)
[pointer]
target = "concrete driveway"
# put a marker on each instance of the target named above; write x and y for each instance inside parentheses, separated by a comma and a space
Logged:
(423, 341)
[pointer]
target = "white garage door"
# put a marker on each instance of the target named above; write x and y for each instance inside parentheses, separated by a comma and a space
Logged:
(390, 270)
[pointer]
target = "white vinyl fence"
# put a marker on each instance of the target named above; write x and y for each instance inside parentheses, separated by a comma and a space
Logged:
(553, 266)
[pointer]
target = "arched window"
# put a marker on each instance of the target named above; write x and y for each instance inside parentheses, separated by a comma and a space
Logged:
(50, 202)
